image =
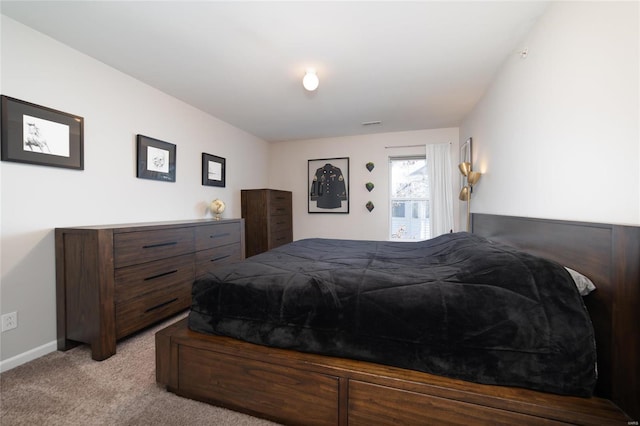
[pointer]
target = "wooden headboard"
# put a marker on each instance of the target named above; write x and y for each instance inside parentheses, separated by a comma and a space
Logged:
(610, 256)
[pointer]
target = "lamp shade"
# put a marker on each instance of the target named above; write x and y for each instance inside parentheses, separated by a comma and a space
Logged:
(310, 80)
(464, 194)
(473, 177)
(465, 168)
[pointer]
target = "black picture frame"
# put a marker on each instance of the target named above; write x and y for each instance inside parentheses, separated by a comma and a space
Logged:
(332, 197)
(34, 134)
(156, 159)
(213, 170)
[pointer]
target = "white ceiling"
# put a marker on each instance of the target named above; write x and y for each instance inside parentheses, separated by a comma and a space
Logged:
(411, 65)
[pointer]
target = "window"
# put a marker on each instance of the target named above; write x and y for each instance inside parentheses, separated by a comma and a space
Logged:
(409, 198)
(397, 210)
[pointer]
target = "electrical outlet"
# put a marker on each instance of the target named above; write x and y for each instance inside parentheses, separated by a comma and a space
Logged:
(9, 321)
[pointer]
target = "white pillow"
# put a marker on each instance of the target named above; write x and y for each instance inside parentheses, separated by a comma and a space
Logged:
(584, 284)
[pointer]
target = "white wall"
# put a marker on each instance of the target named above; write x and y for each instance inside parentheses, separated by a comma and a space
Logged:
(115, 107)
(288, 171)
(556, 135)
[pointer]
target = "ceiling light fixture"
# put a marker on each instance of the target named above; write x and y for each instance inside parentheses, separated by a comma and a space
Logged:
(310, 80)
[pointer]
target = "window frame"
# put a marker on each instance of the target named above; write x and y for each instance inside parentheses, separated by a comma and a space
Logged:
(427, 200)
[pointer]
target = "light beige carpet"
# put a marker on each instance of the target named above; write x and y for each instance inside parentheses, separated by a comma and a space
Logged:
(69, 388)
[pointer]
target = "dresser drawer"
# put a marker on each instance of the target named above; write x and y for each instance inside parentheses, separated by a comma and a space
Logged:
(208, 260)
(280, 203)
(136, 281)
(132, 248)
(280, 238)
(143, 311)
(280, 223)
(217, 235)
(259, 386)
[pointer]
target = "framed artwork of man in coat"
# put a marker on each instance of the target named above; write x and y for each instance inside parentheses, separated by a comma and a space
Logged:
(329, 185)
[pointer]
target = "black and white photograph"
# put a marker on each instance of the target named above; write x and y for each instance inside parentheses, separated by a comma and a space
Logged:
(328, 184)
(39, 135)
(156, 159)
(47, 137)
(213, 170)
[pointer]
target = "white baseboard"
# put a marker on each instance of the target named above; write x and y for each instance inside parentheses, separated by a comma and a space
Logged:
(30, 355)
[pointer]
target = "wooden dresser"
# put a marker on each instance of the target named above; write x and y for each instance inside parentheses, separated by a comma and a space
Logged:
(268, 219)
(114, 280)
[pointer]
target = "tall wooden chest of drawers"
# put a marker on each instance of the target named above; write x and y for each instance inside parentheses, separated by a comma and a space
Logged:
(268, 219)
(114, 280)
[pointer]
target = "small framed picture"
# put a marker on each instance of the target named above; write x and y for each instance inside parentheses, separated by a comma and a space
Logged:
(156, 159)
(39, 135)
(328, 185)
(213, 170)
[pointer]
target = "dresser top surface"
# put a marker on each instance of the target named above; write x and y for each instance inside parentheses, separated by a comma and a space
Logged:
(130, 227)
(264, 189)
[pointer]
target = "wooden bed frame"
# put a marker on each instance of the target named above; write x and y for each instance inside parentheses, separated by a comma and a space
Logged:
(299, 388)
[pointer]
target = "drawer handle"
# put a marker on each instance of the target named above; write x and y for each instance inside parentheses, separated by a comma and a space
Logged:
(280, 239)
(280, 209)
(226, 234)
(219, 258)
(161, 245)
(161, 305)
(161, 275)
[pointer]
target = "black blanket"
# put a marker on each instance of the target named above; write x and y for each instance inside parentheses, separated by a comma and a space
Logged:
(457, 305)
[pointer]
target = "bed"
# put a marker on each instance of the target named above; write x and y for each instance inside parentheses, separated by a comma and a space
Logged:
(308, 369)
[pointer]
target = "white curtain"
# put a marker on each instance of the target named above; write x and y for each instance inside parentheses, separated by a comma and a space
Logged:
(441, 204)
